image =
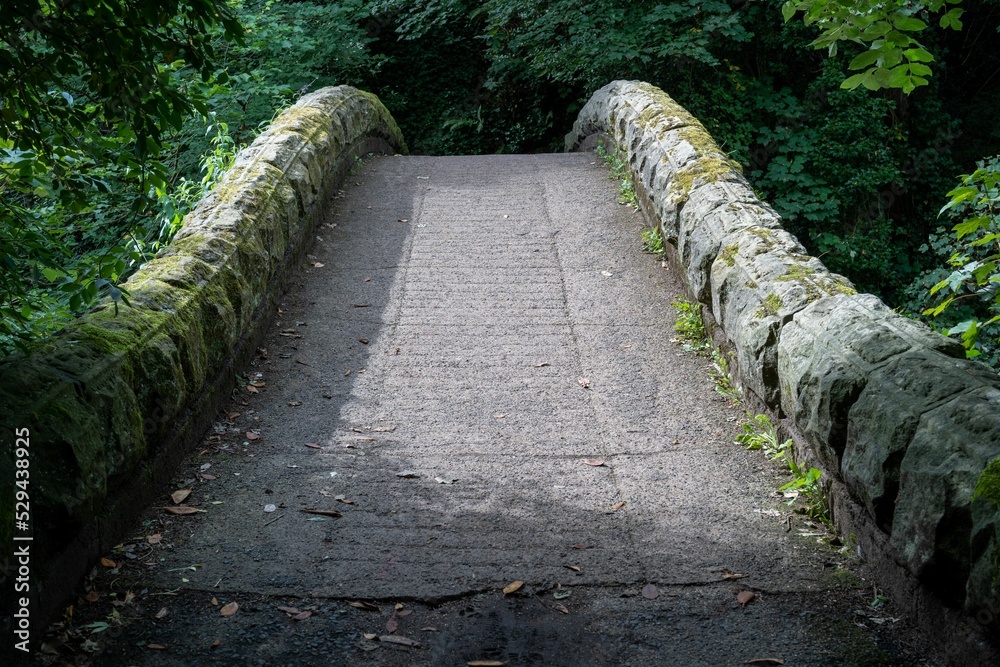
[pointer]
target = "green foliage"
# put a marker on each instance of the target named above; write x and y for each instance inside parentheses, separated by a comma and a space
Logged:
(620, 173)
(720, 375)
(894, 58)
(974, 247)
(652, 241)
(690, 328)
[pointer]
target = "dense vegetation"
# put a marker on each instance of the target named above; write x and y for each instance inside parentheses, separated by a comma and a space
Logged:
(94, 176)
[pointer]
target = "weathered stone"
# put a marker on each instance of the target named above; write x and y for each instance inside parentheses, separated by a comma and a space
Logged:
(100, 397)
(933, 524)
(983, 588)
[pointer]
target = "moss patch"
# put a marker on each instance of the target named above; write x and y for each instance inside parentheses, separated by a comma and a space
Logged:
(988, 489)
(728, 255)
(769, 307)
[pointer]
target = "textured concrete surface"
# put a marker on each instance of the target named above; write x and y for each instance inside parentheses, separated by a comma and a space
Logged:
(449, 317)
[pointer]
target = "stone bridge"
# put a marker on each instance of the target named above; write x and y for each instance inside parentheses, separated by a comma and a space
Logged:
(462, 430)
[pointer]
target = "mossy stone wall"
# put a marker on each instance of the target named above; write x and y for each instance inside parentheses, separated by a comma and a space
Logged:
(112, 400)
(904, 427)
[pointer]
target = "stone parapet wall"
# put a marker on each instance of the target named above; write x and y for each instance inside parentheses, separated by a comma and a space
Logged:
(116, 399)
(892, 411)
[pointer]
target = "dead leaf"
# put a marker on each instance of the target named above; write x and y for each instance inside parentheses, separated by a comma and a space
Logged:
(294, 404)
(363, 341)
(407, 474)
(542, 364)
(391, 625)
(156, 647)
(180, 495)
(302, 615)
(289, 610)
(729, 574)
(208, 477)
(405, 612)
(360, 305)
(617, 506)
(108, 563)
(398, 606)
(182, 509)
(499, 415)
(561, 607)
(584, 382)
(575, 568)
(299, 361)
(216, 644)
(162, 613)
(215, 602)
(233, 415)
(322, 512)
(650, 592)
(404, 220)
(485, 663)
(442, 480)
(252, 436)
(764, 661)
(230, 609)
(397, 639)
(317, 265)
(745, 597)
(344, 500)
(361, 604)
(92, 596)
(313, 445)
(595, 462)
(512, 587)
(154, 539)
(369, 635)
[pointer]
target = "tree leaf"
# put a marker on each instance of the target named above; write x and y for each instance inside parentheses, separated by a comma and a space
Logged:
(229, 609)
(180, 495)
(512, 587)
(650, 592)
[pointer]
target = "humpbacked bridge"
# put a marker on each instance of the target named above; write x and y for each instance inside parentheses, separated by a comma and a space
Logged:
(463, 431)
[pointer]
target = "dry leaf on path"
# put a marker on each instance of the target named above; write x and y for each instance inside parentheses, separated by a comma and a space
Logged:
(729, 574)
(107, 562)
(208, 477)
(617, 506)
(317, 265)
(156, 647)
(745, 597)
(560, 607)
(294, 404)
(485, 663)
(162, 613)
(216, 644)
(542, 364)
(407, 474)
(584, 382)
(334, 513)
(302, 615)
(650, 592)
(595, 462)
(575, 568)
(764, 661)
(180, 495)
(289, 610)
(252, 436)
(215, 602)
(92, 596)
(369, 635)
(154, 539)
(512, 587)
(397, 639)
(405, 612)
(361, 604)
(313, 445)
(391, 625)
(181, 510)
(230, 609)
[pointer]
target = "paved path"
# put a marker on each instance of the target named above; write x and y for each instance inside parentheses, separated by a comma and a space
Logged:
(469, 333)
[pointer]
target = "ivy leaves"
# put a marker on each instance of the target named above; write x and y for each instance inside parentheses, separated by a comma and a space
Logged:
(894, 58)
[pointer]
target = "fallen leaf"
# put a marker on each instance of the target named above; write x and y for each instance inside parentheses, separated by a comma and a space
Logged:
(606, 273)
(404, 220)
(216, 644)
(156, 647)
(322, 512)
(180, 495)
(575, 568)
(344, 500)
(650, 592)
(317, 265)
(745, 597)
(208, 477)
(289, 610)
(499, 415)
(595, 462)
(182, 510)
(584, 382)
(363, 341)
(162, 613)
(398, 606)
(302, 615)
(397, 639)
(295, 404)
(299, 361)
(617, 506)
(391, 625)
(107, 562)
(405, 612)
(542, 364)
(92, 596)
(252, 436)
(230, 609)
(369, 635)
(215, 602)
(154, 539)
(764, 661)
(441, 480)
(407, 474)
(313, 445)
(561, 607)
(512, 587)
(729, 574)
(233, 415)
(360, 305)
(361, 604)
(485, 663)
(204, 466)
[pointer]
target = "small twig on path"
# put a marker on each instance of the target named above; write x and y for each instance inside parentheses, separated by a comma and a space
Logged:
(272, 520)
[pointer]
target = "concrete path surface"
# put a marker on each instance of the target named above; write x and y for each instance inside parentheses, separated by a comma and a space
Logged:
(470, 336)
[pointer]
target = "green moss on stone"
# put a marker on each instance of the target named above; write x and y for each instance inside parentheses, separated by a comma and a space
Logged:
(988, 486)
(769, 307)
(728, 255)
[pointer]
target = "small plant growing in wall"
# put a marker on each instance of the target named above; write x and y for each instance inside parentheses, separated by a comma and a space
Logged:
(690, 328)
(652, 241)
(619, 173)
